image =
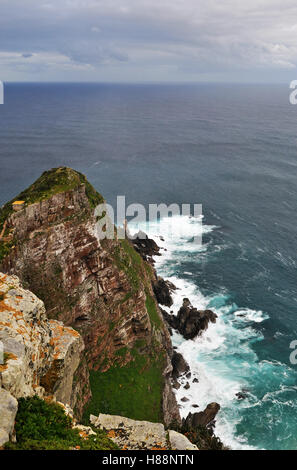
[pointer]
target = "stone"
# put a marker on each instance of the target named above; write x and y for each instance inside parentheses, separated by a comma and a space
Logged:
(145, 246)
(176, 385)
(203, 418)
(132, 434)
(189, 321)
(41, 355)
(180, 365)
(180, 442)
(8, 410)
(187, 386)
(163, 290)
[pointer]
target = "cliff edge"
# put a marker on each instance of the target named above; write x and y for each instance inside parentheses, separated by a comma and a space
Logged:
(102, 292)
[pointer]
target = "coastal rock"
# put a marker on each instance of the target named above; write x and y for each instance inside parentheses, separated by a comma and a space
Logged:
(145, 246)
(189, 321)
(203, 418)
(163, 290)
(169, 404)
(180, 442)
(180, 365)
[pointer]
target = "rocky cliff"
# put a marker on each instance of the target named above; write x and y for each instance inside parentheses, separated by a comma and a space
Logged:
(38, 356)
(101, 288)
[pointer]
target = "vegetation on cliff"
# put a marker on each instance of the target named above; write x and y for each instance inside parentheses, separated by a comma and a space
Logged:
(102, 288)
(45, 426)
(134, 390)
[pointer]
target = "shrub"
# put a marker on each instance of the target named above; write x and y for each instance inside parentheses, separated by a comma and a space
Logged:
(45, 426)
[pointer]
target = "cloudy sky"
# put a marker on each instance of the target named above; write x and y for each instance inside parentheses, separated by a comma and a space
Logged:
(148, 40)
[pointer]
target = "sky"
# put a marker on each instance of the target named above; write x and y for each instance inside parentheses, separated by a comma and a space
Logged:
(148, 40)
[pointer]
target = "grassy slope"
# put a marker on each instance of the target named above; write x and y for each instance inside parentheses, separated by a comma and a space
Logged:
(135, 390)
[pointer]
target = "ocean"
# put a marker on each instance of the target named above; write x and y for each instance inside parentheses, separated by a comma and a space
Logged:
(231, 148)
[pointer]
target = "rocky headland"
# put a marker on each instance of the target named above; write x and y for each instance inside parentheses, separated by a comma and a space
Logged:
(80, 320)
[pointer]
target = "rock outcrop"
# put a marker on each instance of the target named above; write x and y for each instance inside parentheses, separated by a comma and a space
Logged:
(189, 321)
(8, 410)
(141, 435)
(40, 355)
(163, 290)
(179, 364)
(203, 418)
(146, 247)
(101, 288)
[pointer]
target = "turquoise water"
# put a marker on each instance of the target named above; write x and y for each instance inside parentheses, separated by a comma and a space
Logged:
(224, 358)
(230, 148)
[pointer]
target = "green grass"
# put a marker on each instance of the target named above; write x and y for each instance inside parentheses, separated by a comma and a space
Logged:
(152, 311)
(134, 391)
(45, 426)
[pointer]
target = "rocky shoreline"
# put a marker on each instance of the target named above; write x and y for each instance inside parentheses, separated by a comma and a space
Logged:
(190, 323)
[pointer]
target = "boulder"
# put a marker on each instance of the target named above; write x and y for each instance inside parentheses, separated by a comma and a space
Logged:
(179, 364)
(41, 354)
(131, 434)
(8, 410)
(163, 290)
(180, 442)
(145, 246)
(203, 418)
(189, 321)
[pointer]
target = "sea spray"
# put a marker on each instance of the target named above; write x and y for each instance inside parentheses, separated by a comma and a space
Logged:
(220, 358)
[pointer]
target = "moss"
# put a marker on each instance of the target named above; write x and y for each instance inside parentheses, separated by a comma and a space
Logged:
(141, 379)
(45, 426)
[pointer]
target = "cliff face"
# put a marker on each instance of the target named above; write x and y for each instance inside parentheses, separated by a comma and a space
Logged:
(40, 355)
(100, 288)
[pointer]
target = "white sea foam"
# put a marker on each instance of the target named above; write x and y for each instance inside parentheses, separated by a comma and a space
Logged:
(214, 356)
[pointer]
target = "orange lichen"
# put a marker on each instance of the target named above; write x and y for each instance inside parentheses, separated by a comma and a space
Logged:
(84, 435)
(111, 434)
